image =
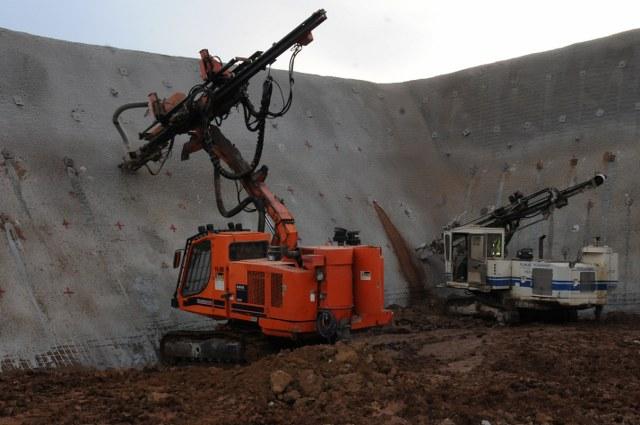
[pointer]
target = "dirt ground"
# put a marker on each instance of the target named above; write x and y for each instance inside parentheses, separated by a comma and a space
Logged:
(426, 370)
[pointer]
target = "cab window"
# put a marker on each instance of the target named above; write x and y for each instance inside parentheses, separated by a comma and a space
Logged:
(199, 269)
(248, 250)
(494, 245)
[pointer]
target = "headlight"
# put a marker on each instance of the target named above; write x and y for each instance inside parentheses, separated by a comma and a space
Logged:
(319, 274)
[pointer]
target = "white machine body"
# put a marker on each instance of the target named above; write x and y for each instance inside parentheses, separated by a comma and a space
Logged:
(474, 260)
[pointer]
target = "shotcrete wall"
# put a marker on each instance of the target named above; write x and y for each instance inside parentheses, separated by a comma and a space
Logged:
(84, 260)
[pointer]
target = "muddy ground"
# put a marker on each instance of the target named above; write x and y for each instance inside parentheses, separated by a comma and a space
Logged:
(426, 370)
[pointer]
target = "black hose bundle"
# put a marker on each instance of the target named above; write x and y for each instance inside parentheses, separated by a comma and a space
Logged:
(327, 325)
(261, 117)
(255, 121)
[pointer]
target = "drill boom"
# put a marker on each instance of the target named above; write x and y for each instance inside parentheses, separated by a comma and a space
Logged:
(223, 88)
(521, 207)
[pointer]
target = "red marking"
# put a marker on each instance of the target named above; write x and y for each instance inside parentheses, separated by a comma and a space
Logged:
(65, 223)
(168, 173)
(68, 291)
(119, 225)
(173, 228)
(307, 144)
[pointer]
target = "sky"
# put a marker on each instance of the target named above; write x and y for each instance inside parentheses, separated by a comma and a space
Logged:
(375, 40)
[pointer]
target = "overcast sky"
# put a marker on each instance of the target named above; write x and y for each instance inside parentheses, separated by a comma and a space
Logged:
(382, 41)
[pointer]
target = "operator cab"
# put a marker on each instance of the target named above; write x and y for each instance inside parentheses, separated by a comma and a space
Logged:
(467, 250)
(207, 256)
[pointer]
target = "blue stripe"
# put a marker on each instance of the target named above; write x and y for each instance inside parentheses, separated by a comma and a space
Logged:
(499, 281)
(556, 285)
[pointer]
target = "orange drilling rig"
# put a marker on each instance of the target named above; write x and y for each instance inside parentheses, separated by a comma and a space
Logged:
(258, 277)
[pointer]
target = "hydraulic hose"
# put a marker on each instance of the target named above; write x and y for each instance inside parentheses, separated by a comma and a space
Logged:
(267, 88)
(220, 202)
(258, 203)
(326, 324)
(119, 111)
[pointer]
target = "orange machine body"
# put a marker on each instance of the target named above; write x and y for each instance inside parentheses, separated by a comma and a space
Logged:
(288, 290)
(228, 275)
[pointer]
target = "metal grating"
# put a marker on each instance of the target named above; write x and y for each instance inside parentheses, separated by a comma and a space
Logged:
(587, 281)
(276, 290)
(542, 281)
(255, 281)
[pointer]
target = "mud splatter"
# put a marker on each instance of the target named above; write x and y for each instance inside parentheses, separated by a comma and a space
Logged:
(412, 272)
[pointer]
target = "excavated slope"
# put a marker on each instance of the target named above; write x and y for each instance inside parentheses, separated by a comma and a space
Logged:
(84, 260)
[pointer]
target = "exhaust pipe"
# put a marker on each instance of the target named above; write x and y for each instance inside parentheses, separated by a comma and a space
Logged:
(541, 247)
